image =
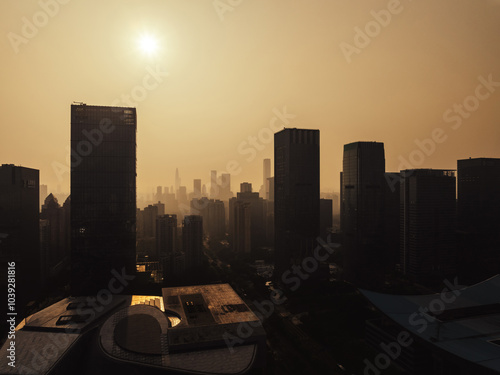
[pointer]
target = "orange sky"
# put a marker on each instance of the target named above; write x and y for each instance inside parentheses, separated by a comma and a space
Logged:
(231, 69)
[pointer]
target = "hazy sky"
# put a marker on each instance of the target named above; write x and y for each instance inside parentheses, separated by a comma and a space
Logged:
(388, 71)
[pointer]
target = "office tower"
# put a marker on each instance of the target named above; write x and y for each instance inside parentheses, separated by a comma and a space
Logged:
(159, 193)
(161, 208)
(150, 215)
(140, 230)
(43, 193)
(325, 217)
(362, 210)
(103, 195)
(177, 181)
(428, 207)
(197, 188)
(182, 194)
(214, 219)
(214, 188)
(254, 206)
(225, 186)
(192, 240)
(392, 190)
(296, 200)
(19, 230)
(166, 240)
(57, 227)
(479, 217)
(336, 211)
(270, 196)
(242, 225)
(214, 216)
(266, 175)
(245, 187)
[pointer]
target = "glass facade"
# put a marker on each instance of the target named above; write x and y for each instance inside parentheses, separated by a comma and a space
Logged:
(103, 194)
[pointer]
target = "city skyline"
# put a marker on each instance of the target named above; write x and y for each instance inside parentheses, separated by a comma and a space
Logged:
(313, 72)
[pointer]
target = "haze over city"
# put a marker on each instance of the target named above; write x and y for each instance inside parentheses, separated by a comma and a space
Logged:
(205, 77)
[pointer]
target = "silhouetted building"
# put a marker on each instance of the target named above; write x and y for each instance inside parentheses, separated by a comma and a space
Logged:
(225, 186)
(161, 208)
(479, 217)
(197, 188)
(428, 212)
(166, 243)
(362, 210)
(264, 193)
(247, 211)
(192, 240)
(43, 193)
(214, 186)
(296, 200)
(392, 221)
(214, 216)
(103, 195)
(270, 197)
(326, 217)
(57, 226)
(150, 215)
(20, 230)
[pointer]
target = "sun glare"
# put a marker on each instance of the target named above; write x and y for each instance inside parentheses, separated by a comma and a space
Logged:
(148, 44)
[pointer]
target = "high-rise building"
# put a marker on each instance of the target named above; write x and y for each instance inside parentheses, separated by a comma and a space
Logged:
(197, 188)
(246, 203)
(479, 217)
(296, 200)
(214, 186)
(213, 213)
(43, 193)
(161, 208)
(225, 186)
(326, 217)
(264, 193)
(362, 209)
(177, 181)
(166, 239)
(103, 195)
(150, 214)
(270, 196)
(192, 240)
(428, 212)
(19, 230)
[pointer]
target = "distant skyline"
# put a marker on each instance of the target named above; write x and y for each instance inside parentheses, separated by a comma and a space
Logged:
(212, 85)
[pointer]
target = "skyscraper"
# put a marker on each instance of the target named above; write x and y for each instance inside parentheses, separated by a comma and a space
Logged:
(362, 205)
(103, 195)
(479, 218)
(428, 208)
(266, 174)
(296, 200)
(19, 230)
(166, 238)
(197, 188)
(192, 240)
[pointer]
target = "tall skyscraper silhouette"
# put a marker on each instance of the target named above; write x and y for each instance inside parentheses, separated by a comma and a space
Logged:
(296, 196)
(479, 217)
(166, 240)
(103, 195)
(266, 168)
(19, 230)
(192, 240)
(362, 205)
(197, 188)
(428, 212)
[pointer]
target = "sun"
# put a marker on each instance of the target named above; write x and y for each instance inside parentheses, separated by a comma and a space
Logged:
(148, 44)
